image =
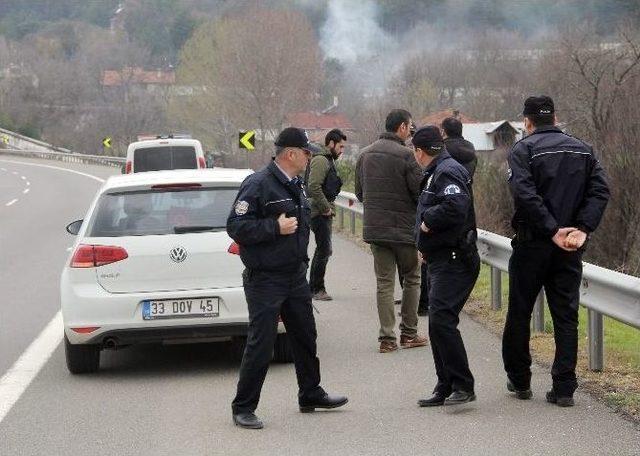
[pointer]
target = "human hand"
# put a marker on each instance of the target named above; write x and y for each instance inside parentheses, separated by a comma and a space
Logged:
(575, 239)
(424, 228)
(560, 238)
(328, 213)
(287, 225)
(421, 258)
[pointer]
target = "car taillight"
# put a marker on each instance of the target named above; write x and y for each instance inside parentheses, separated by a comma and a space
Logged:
(85, 329)
(127, 169)
(234, 249)
(201, 163)
(91, 256)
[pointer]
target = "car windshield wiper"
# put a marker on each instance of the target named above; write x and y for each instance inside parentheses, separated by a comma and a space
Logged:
(195, 229)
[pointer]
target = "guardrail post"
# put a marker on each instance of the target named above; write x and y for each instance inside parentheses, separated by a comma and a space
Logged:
(595, 333)
(538, 313)
(341, 218)
(496, 288)
(352, 216)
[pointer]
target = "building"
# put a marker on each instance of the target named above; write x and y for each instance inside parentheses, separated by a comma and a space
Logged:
(489, 136)
(318, 124)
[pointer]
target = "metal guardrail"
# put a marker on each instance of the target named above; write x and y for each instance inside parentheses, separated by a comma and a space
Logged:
(603, 292)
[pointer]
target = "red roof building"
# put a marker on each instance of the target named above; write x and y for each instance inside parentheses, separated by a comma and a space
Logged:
(437, 117)
(114, 78)
(318, 125)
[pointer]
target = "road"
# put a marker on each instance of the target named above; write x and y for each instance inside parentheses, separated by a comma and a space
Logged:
(175, 400)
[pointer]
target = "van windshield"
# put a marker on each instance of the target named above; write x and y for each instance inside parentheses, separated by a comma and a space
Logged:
(161, 158)
(153, 212)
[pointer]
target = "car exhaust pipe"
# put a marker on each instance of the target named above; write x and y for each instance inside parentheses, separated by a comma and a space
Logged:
(110, 343)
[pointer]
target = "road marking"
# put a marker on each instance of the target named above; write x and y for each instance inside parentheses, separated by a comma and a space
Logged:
(15, 382)
(26, 190)
(12, 202)
(23, 178)
(25, 369)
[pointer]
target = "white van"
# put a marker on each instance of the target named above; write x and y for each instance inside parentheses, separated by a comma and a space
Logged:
(164, 153)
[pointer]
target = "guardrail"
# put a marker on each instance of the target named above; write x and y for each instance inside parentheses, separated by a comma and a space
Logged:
(603, 292)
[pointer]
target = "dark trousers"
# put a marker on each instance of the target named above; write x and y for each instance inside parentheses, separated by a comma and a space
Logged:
(270, 295)
(533, 265)
(423, 304)
(451, 281)
(321, 227)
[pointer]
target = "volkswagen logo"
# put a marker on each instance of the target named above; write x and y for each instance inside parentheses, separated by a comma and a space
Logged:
(178, 254)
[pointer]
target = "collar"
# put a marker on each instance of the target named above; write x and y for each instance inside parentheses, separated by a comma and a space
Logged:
(546, 129)
(436, 161)
(282, 177)
(392, 137)
(282, 171)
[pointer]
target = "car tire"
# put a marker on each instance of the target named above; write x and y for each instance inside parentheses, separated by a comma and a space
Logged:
(81, 359)
(282, 351)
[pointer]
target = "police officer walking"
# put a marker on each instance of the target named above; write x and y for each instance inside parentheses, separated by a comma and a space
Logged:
(446, 237)
(323, 186)
(560, 194)
(270, 222)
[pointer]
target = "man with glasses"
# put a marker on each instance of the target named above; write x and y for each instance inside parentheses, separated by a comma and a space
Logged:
(270, 222)
(388, 184)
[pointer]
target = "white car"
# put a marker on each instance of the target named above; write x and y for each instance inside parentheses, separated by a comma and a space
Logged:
(153, 263)
(163, 153)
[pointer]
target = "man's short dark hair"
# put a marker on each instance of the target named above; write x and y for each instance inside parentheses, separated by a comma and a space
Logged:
(452, 127)
(541, 120)
(334, 135)
(396, 118)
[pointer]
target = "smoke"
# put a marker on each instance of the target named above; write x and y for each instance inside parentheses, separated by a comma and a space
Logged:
(351, 31)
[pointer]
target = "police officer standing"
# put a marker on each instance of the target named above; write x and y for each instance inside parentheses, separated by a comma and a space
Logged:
(446, 238)
(270, 222)
(560, 194)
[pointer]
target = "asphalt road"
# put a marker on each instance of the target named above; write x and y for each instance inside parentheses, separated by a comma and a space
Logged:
(175, 400)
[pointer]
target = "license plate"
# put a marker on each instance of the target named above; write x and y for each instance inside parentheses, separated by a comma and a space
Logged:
(180, 308)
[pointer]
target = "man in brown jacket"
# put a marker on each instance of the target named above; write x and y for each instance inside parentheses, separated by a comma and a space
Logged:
(388, 184)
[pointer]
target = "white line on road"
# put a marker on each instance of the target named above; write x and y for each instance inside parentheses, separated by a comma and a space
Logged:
(14, 383)
(26, 190)
(25, 369)
(12, 202)
(23, 178)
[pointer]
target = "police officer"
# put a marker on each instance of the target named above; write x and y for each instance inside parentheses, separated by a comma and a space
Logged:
(560, 194)
(446, 238)
(270, 222)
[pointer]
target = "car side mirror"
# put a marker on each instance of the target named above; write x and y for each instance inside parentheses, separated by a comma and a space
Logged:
(74, 227)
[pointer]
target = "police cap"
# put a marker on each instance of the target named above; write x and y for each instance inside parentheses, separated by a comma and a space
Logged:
(538, 106)
(428, 138)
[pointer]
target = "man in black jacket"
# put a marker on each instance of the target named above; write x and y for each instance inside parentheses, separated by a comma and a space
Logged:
(446, 227)
(459, 148)
(560, 194)
(270, 222)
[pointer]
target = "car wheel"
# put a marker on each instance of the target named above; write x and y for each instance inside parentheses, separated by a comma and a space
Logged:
(282, 352)
(81, 359)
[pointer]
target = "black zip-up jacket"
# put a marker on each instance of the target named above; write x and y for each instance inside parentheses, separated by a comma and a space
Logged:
(253, 223)
(556, 181)
(446, 208)
(463, 152)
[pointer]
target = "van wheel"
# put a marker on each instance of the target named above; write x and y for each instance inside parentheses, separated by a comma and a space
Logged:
(81, 359)
(282, 352)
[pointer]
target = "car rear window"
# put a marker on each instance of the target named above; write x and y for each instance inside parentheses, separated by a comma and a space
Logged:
(161, 158)
(153, 212)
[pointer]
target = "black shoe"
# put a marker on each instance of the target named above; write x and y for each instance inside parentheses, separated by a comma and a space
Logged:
(566, 401)
(324, 402)
(520, 394)
(247, 420)
(459, 397)
(435, 400)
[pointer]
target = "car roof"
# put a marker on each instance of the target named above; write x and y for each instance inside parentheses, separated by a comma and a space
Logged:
(177, 176)
(163, 142)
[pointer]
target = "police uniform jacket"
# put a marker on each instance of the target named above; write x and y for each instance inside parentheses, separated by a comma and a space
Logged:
(446, 208)
(253, 224)
(556, 181)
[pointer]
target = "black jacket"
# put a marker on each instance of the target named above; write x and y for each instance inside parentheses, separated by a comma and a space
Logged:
(446, 208)
(253, 224)
(463, 152)
(556, 181)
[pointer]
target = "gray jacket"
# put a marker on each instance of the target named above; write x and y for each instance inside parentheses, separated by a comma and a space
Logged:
(388, 184)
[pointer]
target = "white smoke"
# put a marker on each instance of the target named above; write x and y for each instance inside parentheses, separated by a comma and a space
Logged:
(351, 31)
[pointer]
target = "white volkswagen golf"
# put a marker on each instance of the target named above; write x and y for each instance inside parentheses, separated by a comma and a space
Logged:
(153, 263)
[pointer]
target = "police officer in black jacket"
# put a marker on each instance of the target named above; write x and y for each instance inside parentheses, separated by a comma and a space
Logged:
(270, 222)
(446, 238)
(560, 194)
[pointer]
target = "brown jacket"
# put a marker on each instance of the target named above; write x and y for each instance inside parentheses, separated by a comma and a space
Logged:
(388, 184)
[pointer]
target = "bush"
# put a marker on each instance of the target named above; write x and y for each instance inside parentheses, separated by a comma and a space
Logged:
(493, 202)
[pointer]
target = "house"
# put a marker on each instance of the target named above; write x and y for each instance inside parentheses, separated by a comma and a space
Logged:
(137, 81)
(437, 117)
(318, 124)
(489, 136)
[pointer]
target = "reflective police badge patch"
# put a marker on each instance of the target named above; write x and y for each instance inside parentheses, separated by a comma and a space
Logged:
(452, 190)
(241, 207)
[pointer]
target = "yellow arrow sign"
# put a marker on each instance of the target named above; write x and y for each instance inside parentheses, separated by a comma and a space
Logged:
(5, 139)
(247, 140)
(106, 142)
